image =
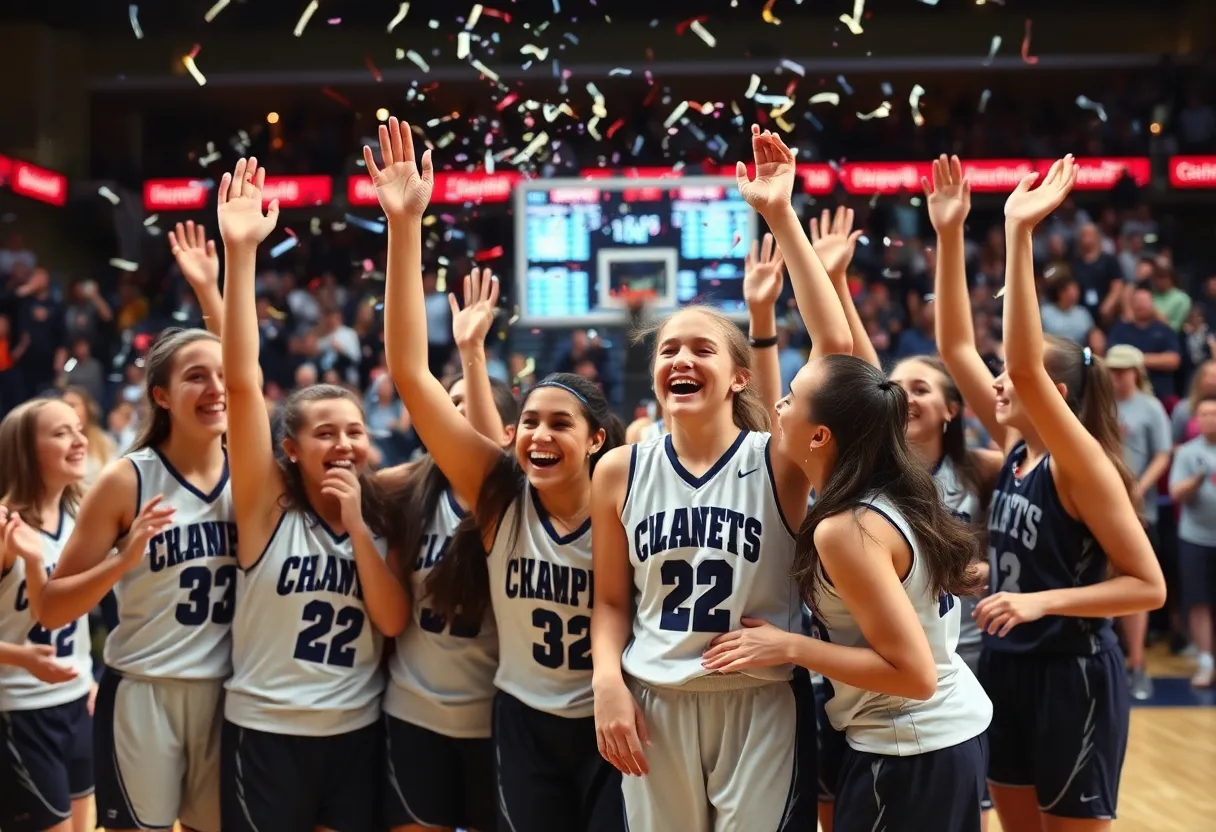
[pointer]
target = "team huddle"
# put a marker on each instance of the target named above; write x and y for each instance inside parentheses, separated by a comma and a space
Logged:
(540, 628)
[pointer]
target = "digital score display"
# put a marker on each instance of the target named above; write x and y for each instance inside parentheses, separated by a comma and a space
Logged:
(581, 243)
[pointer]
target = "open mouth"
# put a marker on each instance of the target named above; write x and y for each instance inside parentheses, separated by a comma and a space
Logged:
(75, 458)
(684, 386)
(543, 459)
(213, 409)
(345, 464)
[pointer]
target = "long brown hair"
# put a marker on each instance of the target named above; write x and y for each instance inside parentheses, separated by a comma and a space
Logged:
(747, 408)
(101, 446)
(158, 372)
(22, 486)
(867, 415)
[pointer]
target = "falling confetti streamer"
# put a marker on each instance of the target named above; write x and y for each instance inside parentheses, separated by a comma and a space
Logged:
(766, 14)
(752, 86)
(367, 225)
(485, 70)
(462, 45)
(984, 96)
(284, 247)
(682, 26)
(150, 221)
(1086, 104)
(125, 265)
(992, 49)
(188, 62)
(402, 11)
(219, 6)
(883, 111)
(797, 69)
(474, 16)
(844, 85)
(133, 14)
(853, 21)
(418, 61)
(832, 98)
(372, 68)
(679, 111)
(620, 70)
(703, 34)
(914, 103)
(533, 49)
(1026, 56)
(109, 195)
(536, 144)
(302, 23)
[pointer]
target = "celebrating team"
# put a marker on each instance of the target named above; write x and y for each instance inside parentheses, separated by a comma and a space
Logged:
(650, 676)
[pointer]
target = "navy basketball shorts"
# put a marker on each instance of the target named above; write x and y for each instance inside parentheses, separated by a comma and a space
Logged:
(438, 781)
(46, 762)
(295, 784)
(1197, 574)
(551, 777)
(831, 744)
(937, 790)
(1059, 726)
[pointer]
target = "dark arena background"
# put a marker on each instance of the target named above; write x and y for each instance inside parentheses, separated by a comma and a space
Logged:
(585, 152)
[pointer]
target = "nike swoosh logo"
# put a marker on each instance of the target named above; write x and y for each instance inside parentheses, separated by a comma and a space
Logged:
(743, 474)
(1086, 799)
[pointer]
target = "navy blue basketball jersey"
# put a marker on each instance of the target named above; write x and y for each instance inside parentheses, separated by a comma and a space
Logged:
(1034, 545)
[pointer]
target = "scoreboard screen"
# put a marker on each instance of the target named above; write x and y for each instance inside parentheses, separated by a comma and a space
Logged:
(581, 243)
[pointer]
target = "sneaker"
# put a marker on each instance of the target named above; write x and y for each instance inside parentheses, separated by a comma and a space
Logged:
(1141, 685)
(1203, 678)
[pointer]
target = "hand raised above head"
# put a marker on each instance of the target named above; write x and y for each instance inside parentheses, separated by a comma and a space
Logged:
(404, 190)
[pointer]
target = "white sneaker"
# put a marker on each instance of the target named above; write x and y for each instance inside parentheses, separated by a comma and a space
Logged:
(1203, 678)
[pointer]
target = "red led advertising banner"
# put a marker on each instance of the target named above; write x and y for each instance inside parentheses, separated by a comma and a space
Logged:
(1193, 172)
(34, 182)
(192, 194)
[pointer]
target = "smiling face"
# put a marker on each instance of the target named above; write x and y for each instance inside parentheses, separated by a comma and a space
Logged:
(331, 434)
(928, 406)
(195, 395)
(694, 370)
(61, 445)
(554, 441)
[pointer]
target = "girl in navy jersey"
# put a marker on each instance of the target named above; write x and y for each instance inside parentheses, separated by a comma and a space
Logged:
(302, 745)
(437, 706)
(530, 512)
(46, 676)
(1067, 550)
(692, 540)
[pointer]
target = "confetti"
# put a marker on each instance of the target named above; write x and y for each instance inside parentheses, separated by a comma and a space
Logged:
(984, 96)
(219, 6)
(914, 103)
(133, 14)
(532, 49)
(752, 86)
(1026, 56)
(853, 21)
(125, 265)
(929, 2)
(402, 11)
(679, 111)
(992, 49)
(620, 70)
(188, 62)
(883, 111)
(334, 21)
(372, 68)
(149, 221)
(462, 45)
(704, 34)
(282, 248)
(111, 196)
(304, 18)
(418, 61)
(844, 85)
(531, 148)
(766, 14)
(368, 225)
(798, 69)
(1085, 104)
(474, 16)
(485, 70)
(832, 98)
(682, 26)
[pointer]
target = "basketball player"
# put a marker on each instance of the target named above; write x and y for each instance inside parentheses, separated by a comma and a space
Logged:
(437, 705)
(693, 526)
(46, 750)
(1060, 509)
(302, 744)
(880, 560)
(157, 529)
(530, 511)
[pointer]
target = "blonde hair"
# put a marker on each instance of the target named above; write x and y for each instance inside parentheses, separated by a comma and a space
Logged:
(22, 486)
(101, 446)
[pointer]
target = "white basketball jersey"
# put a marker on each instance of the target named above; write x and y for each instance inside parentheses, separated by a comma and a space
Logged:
(305, 657)
(175, 606)
(882, 724)
(20, 690)
(706, 552)
(653, 431)
(442, 674)
(964, 504)
(541, 591)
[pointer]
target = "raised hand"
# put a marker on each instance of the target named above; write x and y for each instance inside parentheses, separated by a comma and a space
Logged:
(241, 220)
(195, 255)
(403, 190)
(763, 274)
(774, 183)
(834, 240)
(950, 197)
(471, 325)
(153, 519)
(342, 485)
(1026, 207)
(18, 538)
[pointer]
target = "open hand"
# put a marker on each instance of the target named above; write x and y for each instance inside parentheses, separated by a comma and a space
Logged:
(774, 183)
(763, 274)
(403, 191)
(834, 240)
(242, 222)
(950, 197)
(471, 325)
(195, 255)
(1026, 207)
(42, 664)
(758, 644)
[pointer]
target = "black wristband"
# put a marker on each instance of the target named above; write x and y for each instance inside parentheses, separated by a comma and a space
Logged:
(761, 343)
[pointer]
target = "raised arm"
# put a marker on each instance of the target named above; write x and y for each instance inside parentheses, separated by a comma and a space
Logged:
(770, 194)
(200, 265)
(834, 241)
(763, 279)
(1086, 477)
(949, 203)
(470, 326)
(257, 483)
(463, 454)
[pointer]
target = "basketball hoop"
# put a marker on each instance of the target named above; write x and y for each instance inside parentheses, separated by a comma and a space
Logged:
(629, 298)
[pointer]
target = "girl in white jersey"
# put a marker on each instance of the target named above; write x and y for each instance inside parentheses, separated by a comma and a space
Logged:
(879, 562)
(302, 746)
(46, 676)
(438, 703)
(530, 511)
(692, 539)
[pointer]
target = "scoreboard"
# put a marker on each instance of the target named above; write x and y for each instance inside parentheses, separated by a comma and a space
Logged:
(580, 243)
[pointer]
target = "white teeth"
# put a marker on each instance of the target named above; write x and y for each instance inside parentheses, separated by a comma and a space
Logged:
(214, 408)
(543, 455)
(340, 463)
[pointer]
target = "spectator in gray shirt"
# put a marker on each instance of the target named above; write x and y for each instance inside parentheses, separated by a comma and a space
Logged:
(1146, 450)
(1193, 486)
(1062, 314)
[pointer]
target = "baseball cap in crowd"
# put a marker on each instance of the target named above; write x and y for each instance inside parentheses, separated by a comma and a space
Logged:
(1124, 357)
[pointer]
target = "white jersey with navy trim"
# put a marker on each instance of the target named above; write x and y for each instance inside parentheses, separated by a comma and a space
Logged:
(541, 589)
(442, 674)
(20, 690)
(706, 551)
(883, 724)
(964, 504)
(305, 658)
(175, 606)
